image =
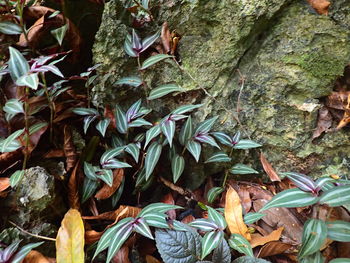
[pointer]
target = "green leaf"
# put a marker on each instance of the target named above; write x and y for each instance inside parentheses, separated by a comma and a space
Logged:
(195, 149)
(210, 241)
(9, 28)
(22, 253)
(10, 144)
(128, 47)
(339, 231)
(87, 121)
(186, 131)
(222, 253)
(111, 153)
(156, 220)
(102, 126)
(242, 245)
(223, 138)
(242, 169)
(133, 150)
(59, 33)
(148, 41)
(248, 259)
(30, 80)
(132, 81)
(246, 144)
(153, 60)
(17, 64)
(89, 188)
(13, 107)
(157, 207)
(142, 228)
(122, 123)
(213, 193)
(90, 171)
(219, 157)
(139, 123)
(163, 90)
(204, 225)
(291, 198)
(16, 177)
(251, 218)
(168, 129)
(85, 111)
(205, 138)
(216, 217)
(177, 167)
(114, 164)
(178, 246)
(186, 108)
(106, 176)
(340, 260)
(314, 258)
(314, 235)
(151, 134)
(152, 157)
(205, 126)
(336, 196)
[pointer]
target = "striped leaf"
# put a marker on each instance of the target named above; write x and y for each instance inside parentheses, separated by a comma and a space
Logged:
(132, 81)
(340, 260)
(122, 123)
(213, 193)
(16, 177)
(320, 182)
(89, 188)
(186, 108)
(151, 134)
(204, 225)
(30, 80)
(60, 33)
(210, 241)
(102, 126)
(242, 245)
(177, 167)
(246, 144)
(90, 171)
(128, 47)
(219, 157)
(223, 138)
(115, 164)
(339, 231)
(133, 150)
(142, 228)
(152, 157)
(156, 220)
(148, 41)
(242, 169)
(53, 69)
(111, 153)
(9, 28)
(216, 217)
(85, 111)
(153, 60)
(186, 131)
(195, 149)
(10, 143)
(336, 196)
(139, 123)
(313, 258)
(168, 129)
(291, 198)
(302, 181)
(236, 138)
(133, 110)
(106, 176)
(87, 121)
(251, 218)
(163, 90)
(314, 236)
(136, 42)
(13, 106)
(17, 64)
(157, 207)
(205, 126)
(205, 138)
(23, 252)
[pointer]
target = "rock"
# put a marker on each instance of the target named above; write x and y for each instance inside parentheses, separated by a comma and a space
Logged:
(289, 55)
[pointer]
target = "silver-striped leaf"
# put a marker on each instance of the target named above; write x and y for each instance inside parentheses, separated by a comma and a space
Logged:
(242, 169)
(163, 90)
(153, 60)
(102, 126)
(152, 157)
(194, 148)
(177, 167)
(219, 157)
(210, 241)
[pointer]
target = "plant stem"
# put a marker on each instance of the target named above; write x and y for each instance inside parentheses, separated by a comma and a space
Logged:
(33, 235)
(227, 171)
(26, 131)
(51, 105)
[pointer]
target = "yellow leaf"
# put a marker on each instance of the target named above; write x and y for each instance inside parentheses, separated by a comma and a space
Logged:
(70, 239)
(233, 214)
(258, 240)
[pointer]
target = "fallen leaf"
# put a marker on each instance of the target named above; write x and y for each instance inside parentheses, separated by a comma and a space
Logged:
(36, 257)
(346, 117)
(246, 201)
(269, 169)
(107, 191)
(69, 148)
(169, 199)
(122, 256)
(54, 153)
(4, 183)
(150, 259)
(324, 122)
(320, 6)
(166, 37)
(122, 212)
(73, 191)
(92, 236)
(273, 248)
(70, 239)
(188, 219)
(258, 240)
(233, 214)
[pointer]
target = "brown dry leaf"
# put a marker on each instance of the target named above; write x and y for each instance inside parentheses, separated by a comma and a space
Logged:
(150, 259)
(107, 191)
(346, 117)
(233, 214)
(36, 257)
(188, 219)
(269, 169)
(54, 153)
(166, 37)
(4, 183)
(169, 199)
(324, 122)
(7, 160)
(246, 201)
(70, 238)
(69, 148)
(73, 191)
(320, 6)
(273, 248)
(122, 212)
(337, 100)
(258, 240)
(92, 236)
(122, 256)
(108, 113)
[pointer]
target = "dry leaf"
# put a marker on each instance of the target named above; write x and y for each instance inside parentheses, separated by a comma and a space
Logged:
(122, 212)
(69, 148)
(233, 214)
(122, 256)
(246, 201)
(92, 236)
(107, 191)
(36, 257)
(269, 169)
(166, 37)
(169, 199)
(273, 248)
(70, 239)
(258, 240)
(4, 183)
(320, 6)
(346, 117)
(150, 259)
(324, 122)
(73, 191)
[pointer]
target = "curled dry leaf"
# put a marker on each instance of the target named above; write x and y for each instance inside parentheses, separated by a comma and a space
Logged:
(324, 122)
(36, 257)
(258, 240)
(122, 212)
(166, 37)
(107, 191)
(346, 117)
(69, 148)
(73, 191)
(92, 236)
(122, 256)
(269, 169)
(274, 248)
(4, 183)
(233, 214)
(320, 6)
(70, 239)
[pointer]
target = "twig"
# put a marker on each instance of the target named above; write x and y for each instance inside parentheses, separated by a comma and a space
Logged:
(33, 235)
(176, 188)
